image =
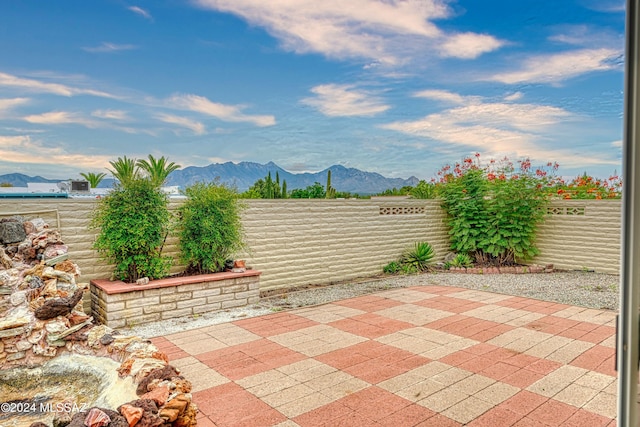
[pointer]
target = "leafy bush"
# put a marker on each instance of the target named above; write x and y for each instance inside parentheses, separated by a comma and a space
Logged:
(392, 268)
(133, 220)
(420, 256)
(461, 260)
(493, 211)
(210, 231)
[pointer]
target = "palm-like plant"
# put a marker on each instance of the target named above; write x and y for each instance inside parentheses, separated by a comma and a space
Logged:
(157, 170)
(93, 178)
(419, 257)
(124, 170)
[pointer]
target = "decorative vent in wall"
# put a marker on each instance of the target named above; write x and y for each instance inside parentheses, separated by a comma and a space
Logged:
(402, 210)
(566, 210)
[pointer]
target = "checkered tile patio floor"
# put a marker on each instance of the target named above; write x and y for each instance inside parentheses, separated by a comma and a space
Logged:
(422, 356)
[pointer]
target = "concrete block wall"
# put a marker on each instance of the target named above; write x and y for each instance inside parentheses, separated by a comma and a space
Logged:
(299, 242)
(582, 235)
(117, 304)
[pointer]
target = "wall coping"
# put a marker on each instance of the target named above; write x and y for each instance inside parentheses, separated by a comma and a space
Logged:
(112, 287)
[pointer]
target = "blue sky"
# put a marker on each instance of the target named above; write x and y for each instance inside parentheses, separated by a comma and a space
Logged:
(399, 87)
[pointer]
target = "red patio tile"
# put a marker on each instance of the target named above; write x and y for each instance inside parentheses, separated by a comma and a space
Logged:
(528, 422)
(523, 402)
(438, 289)
(521, 360)
(477, 365)
(599, 334)
(499, 370)
(544, 366)
(584, 418)
(522, 378)
(457, 358)
(275, 324)
(453, 305)
(491, 333)
(323, 415)
(172, 351)
(439, 420)
(496, 417)
(593, 357)
(407, 416)
(370, 325)
(608, 367)
(369, 303)
(353, 419)
(374, 371)
(552, 413)
(481, 349)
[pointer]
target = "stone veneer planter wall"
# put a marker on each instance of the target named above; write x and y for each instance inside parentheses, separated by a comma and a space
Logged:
(117, 304)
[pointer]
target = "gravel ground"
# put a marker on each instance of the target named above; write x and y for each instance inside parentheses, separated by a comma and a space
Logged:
(591, 290)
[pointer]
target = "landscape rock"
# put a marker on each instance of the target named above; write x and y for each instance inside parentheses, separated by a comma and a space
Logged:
(132, 414)
(174, 407)
(58, 307)
(12, 232)
(96, 418)
(165, 373)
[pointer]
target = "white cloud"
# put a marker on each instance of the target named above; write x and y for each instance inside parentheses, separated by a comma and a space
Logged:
(617, 144)
(388, 32)
(32, 85)
(557, 67)
(195, 126)
(8, 104)
(442, 95)
(23, 149)
(60, 118)
(514, 96)
(229, 113)
(107, 47)
(140, 11)
(469, 45)
(344, 100)
(110, 114)
(485, 126)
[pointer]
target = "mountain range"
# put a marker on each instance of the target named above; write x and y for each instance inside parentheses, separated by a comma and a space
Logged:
(242, 175)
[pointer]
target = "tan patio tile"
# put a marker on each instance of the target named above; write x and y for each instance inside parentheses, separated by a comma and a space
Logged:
(485, 297)
(447, 349)
(441, 400)
(569, 312)
(231, 335)
(513, 335)
(287, 395)
(604, 404)
(266, 388)
(430, 369)
(345, 388)
(550, 345)
(201, 376)
(327, 381)
(266, 377)
(472, 384)
(414, 314)
(299, 366)
(609, 342)
(203, 344)
(576, 395)
(524, 343)
(316, 340)
(406, 295)
(497, 393)
(420, 390)
(313, 372)
(304, 404)
(467, 410)
(557, 380)
(451, 376)
(405, 342)
(570, 351)
(329, 313)
(400, 382)
(287, 423)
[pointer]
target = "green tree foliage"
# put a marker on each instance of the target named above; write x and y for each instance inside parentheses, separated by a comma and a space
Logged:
(93, 178)
(315, 191)
(210, 230)
(133, 222)
(267, 188)
(124, 170)
(424, 190)
(157, 170)
(6, 184)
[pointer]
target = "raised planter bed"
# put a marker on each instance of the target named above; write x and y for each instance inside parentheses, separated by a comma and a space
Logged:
(118, 304)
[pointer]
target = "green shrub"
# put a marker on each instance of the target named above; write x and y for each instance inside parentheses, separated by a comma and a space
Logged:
(493, 211)
(210, 231)
(133, 220)
(420, 257)
(460, 260)
(392, 268)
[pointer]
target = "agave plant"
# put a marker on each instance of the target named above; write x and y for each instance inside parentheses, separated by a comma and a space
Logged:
(461, 260)
(419, 257)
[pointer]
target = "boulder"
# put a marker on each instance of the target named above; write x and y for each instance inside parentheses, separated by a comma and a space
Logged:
(11, 232)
